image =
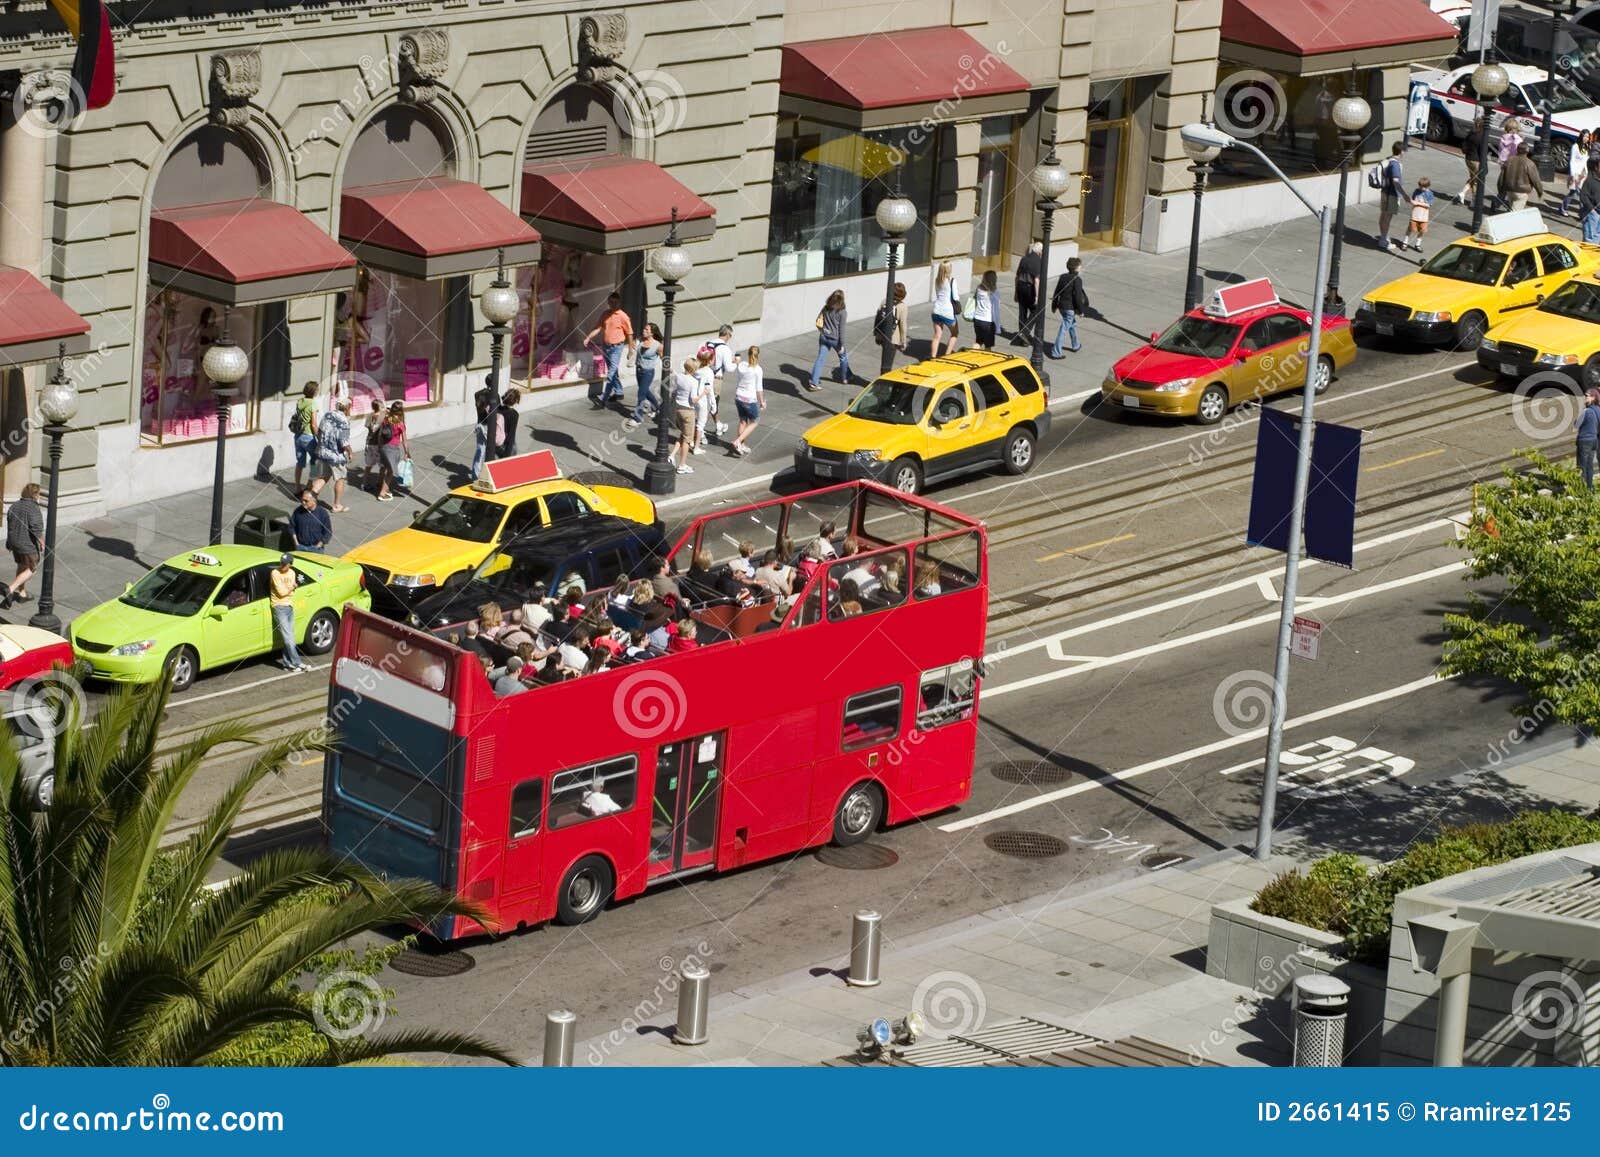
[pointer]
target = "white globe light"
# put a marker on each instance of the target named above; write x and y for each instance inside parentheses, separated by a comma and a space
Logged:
(1490, 80)
(1050, 179)
(58, 402)
(1201, 154)
(225, 363)
(896, 215)
(499, 304)
(1351, 113)
(671, 263)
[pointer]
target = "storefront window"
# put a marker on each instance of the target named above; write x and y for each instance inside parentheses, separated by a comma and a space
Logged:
(547, 338)
(1290, 118)
(826, 184)
(390, 332)
(176, 403)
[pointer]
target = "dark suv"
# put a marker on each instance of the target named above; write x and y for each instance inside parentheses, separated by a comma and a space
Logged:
(594, 552)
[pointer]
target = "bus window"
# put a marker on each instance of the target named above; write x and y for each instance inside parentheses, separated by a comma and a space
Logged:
(887, 518)
(872, 582)
(945, 695)
(720, 537)
(871, 717)
(391, 791)
(946, 565)
(599, 789)
(527, 801)
(808, 515)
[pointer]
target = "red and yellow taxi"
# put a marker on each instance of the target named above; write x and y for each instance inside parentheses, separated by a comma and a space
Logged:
(29, 653)
(1242, 344)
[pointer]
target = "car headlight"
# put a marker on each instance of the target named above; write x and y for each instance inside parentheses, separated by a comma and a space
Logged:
(1175, 386)
(1557, 359)
(802, 447)
(868, 455)
(1488, 345)
(139, 648)
(1368, 303)
(1440, 315)
(411, 580)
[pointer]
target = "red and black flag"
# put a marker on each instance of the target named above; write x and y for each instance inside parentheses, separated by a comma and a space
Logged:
(93, 80)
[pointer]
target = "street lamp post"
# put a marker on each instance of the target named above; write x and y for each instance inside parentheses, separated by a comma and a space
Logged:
(1547, 165)
(1205, 135)
(672, 264)
(1489, 80)
(1050, 179)
(58, 405)
(1193, 286)
(499, 305)
(224, 365)
(1350, 116)
(896, 215)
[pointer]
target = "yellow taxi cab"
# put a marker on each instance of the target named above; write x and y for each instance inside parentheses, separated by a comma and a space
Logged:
(1472, 285)
(445, 542)
(1242, 344)
(1561, 336)
(936, 419)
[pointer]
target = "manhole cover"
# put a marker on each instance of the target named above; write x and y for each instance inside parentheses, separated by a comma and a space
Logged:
(858, 857)
(1158, 860)
(415, 962)
(1036, 774)
(1025, 845)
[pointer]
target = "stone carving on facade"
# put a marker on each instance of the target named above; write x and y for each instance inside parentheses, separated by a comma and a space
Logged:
(235, 81)
(424, 57)
(602, 39)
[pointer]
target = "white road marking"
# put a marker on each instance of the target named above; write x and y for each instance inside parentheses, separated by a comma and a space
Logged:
(1193, 753)
(1268, 591)
(186, 700)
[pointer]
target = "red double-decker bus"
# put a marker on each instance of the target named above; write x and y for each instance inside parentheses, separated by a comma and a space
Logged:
(860, 709)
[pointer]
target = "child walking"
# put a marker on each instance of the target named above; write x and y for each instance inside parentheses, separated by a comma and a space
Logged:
(1421, 208)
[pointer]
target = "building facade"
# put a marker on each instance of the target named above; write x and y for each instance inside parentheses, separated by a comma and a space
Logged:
(332, 187)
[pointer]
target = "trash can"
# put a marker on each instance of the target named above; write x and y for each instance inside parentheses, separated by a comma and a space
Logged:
(264, 526)
(1320, 1005)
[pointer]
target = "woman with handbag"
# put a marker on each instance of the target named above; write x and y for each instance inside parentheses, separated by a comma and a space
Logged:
(945, 296)
(830, 336)
(392, 449)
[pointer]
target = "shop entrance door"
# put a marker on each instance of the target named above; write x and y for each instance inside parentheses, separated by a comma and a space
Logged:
(991, 225)
(1104, 169)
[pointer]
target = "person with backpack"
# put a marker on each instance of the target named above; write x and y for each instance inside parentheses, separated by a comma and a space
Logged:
(485, 404)
(333, 452)
(724, 368)
(830, 336)
(1392, 183)
(1069, 300)
(303, 425)
(505, 424)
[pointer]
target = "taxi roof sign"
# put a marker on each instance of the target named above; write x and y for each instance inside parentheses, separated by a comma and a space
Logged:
(1230, 300)
(1504, 227)
(200, 558)
(522, 470)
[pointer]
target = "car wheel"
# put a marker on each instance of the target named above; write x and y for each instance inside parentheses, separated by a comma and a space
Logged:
(1560, 155)
(585, 890)
(906, 476)
(1213, 404)
(1591, 373)
(1324, 375)
(1019, 452)
(1470, 330)
(860, 812)
(183, 665)
(321, 632)
(1440, 127)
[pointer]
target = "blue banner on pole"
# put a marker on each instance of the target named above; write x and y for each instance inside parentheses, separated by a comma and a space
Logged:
(1272, 491)
(1330, 518)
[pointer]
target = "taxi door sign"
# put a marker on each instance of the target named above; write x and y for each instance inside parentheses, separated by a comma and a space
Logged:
(1235, 299)
(1304, 636)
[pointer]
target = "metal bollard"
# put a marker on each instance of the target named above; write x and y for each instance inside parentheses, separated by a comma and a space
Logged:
(560, 1031)
(1320, 1004)
(694, 1005)
(864, 944)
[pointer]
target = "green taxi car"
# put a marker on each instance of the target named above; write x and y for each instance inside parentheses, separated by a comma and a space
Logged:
(210, 608)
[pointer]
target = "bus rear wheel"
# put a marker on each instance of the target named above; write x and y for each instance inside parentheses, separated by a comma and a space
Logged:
(585, 890)
(860, 812)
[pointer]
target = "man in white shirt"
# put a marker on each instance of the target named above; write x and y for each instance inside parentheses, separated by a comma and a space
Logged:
(724, 366)
(597, 803)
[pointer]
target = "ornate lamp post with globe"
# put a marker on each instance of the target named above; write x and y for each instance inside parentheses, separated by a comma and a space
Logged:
(498, 304)
(58, 405)
(1050, 179)
(1202, 156)
(672, 264)
(225, 364)
(1489, 80)
(1351, 115)
(897, 216)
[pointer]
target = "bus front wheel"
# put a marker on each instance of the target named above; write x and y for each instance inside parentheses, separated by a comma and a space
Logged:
(585, 890)
(860, 812)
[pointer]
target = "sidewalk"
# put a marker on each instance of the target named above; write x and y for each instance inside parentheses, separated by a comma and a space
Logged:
(1122, 961)
(1134, 294)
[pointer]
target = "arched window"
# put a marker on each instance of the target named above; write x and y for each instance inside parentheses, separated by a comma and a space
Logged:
(400, 143)
(213, 163)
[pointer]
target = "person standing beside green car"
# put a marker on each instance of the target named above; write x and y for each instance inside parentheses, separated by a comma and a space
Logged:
(284, 582)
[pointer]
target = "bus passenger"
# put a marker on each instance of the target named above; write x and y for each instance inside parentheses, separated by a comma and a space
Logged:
(773, 576)
(744, 566)
(599, 660)
(927, 580)
(682, 638)
(823, 543)
(596, 802)
(638, 644)
(508, 679)
(574, 653)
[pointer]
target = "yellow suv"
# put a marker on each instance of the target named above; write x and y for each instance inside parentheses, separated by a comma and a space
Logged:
(1562, 336)
(936, 419)
(445, 542)
(1471, 285)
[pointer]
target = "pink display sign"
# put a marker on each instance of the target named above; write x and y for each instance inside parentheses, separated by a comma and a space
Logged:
(418, 379)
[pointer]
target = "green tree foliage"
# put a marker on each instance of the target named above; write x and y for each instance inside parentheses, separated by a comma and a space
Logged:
(113, 951)
(1539, 535)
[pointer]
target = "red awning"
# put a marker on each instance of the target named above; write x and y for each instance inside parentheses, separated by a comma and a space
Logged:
(897, 78)
(611, 204)
(432, 227)
(1307, 37)
(245, 253)
(35, 323)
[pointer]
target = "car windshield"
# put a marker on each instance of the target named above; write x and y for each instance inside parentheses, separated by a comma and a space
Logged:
(1198, 337)
(170, 591)
(1568, 99)
(457, 516)
(888, 401)
(1466, 263)
(1576, 300)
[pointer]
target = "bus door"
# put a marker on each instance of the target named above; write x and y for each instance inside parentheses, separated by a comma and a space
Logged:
(683, 817)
